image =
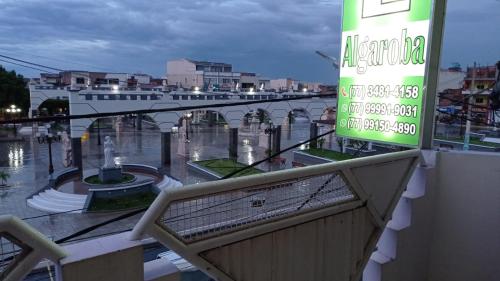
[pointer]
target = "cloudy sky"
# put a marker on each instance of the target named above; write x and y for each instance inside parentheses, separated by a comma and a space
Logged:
(276, 38)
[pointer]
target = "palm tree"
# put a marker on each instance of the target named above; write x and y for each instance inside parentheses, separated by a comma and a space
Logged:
(4, 176)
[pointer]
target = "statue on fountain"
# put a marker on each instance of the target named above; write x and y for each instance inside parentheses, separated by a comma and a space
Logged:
(109, 149)
(109, 172)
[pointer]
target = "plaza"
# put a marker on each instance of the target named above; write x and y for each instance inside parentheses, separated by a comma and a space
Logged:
(28, 162)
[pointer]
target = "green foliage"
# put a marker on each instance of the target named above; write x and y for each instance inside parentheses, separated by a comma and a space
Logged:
(4, 176)
(13, 90)
(122, 203)
(330, 154)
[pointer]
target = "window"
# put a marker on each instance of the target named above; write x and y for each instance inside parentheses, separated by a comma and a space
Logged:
(225, 81)
(133, 97)
(123, 97)
(80, 80)
(88, 97)
(479, 100)
(144, 97)
(101, 81)
(114, 82)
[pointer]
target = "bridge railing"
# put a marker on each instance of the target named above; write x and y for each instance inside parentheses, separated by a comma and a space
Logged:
(22, 248)
(198, 221)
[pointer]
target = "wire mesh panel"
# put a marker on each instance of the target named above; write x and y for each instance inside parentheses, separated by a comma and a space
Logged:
(210, 215)
(9, 254)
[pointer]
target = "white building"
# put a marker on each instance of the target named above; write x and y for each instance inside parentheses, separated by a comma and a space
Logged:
(83, 79)
(209, 76)
(288, 84)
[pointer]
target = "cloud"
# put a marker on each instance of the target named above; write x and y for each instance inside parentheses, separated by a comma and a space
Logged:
(275, 38)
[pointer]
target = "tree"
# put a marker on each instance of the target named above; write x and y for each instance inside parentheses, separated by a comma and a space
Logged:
(13, 90)
(4, 176)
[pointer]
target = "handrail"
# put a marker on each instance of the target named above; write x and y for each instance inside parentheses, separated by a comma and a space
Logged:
(201, 219)
(277, 176)
(32, 248)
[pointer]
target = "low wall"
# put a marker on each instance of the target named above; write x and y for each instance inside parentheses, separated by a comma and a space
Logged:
(459, 146)
(57, 179)
(138, 168)
(455, 233)
(308, 159)
(202, 170)
(126, 190)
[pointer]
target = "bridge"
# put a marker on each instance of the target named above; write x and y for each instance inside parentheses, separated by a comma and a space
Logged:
(83, 101)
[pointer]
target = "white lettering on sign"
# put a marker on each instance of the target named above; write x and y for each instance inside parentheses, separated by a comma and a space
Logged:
(373, 8)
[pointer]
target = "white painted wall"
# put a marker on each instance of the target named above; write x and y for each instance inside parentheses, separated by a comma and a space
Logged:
(455, 231)
(183, 73)
(450, 80)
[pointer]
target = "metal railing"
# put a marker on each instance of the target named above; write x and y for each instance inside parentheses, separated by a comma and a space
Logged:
(201, 219)
(195, 219)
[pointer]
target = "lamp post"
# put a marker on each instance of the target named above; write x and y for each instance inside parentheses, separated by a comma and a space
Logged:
(188, 120)
(270, 131)
(49, 138)
(98, 132)
(12, 110)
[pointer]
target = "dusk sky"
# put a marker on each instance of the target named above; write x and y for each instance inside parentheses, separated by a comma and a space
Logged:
(275, 38)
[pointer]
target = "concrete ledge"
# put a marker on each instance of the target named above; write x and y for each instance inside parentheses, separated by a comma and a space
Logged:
(109, 258)
(202, 170)
(459, 145)
(306, 158)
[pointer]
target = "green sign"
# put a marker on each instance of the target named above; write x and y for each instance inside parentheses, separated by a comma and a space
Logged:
(382, 69)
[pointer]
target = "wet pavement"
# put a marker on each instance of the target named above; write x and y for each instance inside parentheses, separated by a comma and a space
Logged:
(27, 163)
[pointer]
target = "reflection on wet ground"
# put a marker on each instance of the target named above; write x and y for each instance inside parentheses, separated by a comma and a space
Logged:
(27, 164)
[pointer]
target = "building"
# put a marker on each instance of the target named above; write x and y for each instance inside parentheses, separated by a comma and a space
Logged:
(289, 84)
(284, 84)
(484, 78)
(212, 76)
(84, 79)
(450, 96)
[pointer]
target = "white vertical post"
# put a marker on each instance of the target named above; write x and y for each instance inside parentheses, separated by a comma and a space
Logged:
(469, 109)
(432, 74)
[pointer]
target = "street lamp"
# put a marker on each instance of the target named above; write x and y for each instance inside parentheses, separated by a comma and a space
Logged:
(270, 131)
(98, 132)
(188, 120)
(12, 110)
(49, 138)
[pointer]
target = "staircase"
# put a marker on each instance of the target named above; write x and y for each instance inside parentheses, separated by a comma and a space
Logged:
(168, 183)
(53, 201)
(386, 250)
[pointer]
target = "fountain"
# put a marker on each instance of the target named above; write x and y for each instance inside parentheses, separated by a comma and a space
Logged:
(109, 172)
(109, 188)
